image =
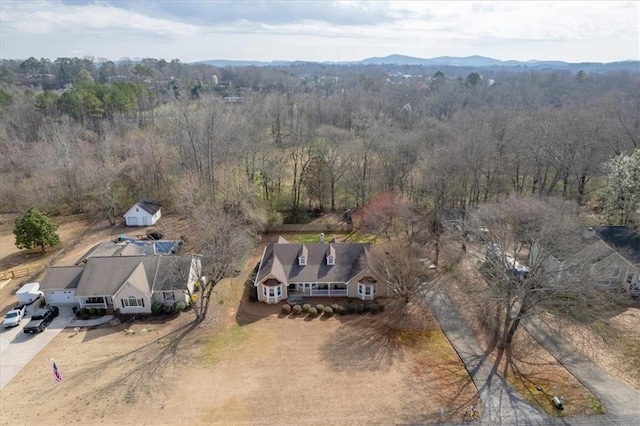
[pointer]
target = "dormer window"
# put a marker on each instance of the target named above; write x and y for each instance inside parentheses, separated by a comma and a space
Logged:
(302, 256)
(331, 255)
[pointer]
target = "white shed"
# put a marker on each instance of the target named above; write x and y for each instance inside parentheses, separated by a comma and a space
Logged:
(143, 213)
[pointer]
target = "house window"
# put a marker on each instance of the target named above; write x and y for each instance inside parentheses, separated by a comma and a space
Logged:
(302, 260)
(366, 290)
(168, 295)
(131, 302)
(272, 291)
(331, 260)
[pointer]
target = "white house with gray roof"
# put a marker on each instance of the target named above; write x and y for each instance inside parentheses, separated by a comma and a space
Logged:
(128, 284)
(317, 269)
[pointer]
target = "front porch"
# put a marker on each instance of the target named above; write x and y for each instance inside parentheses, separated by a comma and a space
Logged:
(317, 290)
(97, 302)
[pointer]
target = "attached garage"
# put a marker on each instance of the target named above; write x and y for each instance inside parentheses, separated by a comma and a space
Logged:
(60, 297)
(60, 283)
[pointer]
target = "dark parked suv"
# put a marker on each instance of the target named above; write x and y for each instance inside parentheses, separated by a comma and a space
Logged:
(41, 319)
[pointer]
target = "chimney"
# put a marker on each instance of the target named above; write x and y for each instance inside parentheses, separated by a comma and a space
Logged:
(322, 238)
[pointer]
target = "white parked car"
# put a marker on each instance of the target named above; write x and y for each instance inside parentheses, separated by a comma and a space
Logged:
(14, 316)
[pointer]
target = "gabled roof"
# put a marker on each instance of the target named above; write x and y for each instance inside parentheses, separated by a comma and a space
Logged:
(104, 276)
(622, 239)
(149, 206)
(60, 277)
(281, 261)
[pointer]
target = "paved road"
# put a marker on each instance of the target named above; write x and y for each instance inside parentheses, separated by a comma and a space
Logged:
(18, 348)
(617, 397)
(501, 405)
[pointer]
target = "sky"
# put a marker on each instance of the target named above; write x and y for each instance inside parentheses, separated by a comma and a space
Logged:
(195, 30)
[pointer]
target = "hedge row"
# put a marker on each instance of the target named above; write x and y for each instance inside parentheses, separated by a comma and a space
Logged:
(351, 308)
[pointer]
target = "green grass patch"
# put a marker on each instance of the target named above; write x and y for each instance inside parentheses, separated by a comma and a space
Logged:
(220, 344)
(596, 405)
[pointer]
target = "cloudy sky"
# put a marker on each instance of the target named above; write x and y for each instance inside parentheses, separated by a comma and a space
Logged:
(193, 30)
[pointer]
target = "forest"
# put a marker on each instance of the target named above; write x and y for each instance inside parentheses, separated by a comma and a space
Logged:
(283, 144)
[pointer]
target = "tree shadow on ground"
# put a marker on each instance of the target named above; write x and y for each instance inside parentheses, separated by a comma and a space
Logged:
(137, 378)
(23, 257)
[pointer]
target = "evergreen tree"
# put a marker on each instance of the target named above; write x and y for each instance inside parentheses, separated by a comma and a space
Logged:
(35, 229)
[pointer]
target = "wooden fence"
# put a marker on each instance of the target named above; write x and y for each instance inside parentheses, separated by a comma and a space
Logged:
(17, 273)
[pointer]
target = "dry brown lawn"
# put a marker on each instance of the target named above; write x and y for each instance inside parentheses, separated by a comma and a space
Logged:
(246, 364)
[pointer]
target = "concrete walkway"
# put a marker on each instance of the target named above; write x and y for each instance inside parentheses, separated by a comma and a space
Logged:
(501, 405)
(617, 397)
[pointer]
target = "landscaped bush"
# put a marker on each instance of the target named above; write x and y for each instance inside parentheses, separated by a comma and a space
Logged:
(351, 308)
(296, 309)
(320, 307)
(373, 308)
(313, 311)
(335, 307)
(179, 307)
(194, 298)
(360, 308)
(100, 312)
(92, 312)
(342, 310)
(167, 309)
(328, 311)
(366, 307)
(82, 312)
(306, 307)
(286, 309)
(381, 307)
(157, 308)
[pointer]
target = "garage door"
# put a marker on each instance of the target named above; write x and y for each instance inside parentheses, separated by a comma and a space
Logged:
(60, 297)
(132, 221)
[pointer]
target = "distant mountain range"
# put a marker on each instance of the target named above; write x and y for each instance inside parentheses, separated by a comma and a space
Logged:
(444, 61)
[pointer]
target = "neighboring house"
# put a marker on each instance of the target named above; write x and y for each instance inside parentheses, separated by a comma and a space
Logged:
(319, 269)
(611, 257)
(143, 213)
(128, 284)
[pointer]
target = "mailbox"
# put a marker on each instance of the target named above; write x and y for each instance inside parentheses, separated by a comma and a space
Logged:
(557, 402)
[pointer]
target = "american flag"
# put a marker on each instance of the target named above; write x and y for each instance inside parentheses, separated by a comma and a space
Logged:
(56, 372)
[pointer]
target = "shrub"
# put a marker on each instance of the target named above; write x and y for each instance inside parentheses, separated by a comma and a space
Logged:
(306, 307)
(373, 308)
(342, 310)
(313, 311)
(320, 307)
(157, 308)
(194, 298)
(100, 312)
(328, 311)
(296, 309)
(360, 308)
(335, 307)
(351, 308)
(167, 309)
(179, 307)
(92, 311)
(286, 309)
(196, 286)
(366, 308)
(82, 312)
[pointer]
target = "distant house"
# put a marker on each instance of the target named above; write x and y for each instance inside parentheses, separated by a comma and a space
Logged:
(611, 257)
(143, 213)
(318, 269)
(128, 284)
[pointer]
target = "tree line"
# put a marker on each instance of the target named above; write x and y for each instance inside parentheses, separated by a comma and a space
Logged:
(304, 140)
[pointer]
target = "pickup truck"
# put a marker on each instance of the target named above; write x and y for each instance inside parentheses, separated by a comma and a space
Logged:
(14, 316)
(41, 319)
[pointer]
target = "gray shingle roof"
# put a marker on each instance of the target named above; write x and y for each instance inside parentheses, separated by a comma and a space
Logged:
(103, 276)
(60, 277)
(281, 260)
(622, 239)
(149, 206)
(112, 249)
